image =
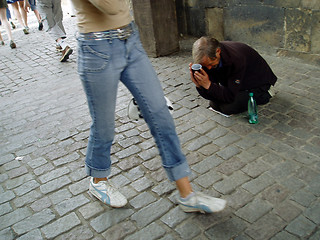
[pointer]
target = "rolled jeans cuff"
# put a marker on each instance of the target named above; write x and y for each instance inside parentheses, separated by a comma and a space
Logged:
(177, 172)
(97, 173)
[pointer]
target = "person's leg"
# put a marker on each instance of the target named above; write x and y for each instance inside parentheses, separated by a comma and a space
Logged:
(140, 78)
(57, 15)
(6, 25)
(24, 13)
(1, 40)
(46, 11)
(239, 105)
(100, 78)
(15, 7)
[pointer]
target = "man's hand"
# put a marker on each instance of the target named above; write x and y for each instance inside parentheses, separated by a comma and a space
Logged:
(200, 79)
(26, 5)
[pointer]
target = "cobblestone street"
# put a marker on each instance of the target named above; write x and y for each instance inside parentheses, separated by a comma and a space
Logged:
(269, 173)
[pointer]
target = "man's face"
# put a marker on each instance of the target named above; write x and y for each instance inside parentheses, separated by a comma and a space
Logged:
(211, 62)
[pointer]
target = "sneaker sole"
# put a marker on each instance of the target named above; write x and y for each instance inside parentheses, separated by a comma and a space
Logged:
(189, 209)
(66, 55)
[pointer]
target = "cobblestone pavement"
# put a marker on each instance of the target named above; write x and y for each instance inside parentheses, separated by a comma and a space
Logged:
(269, 173)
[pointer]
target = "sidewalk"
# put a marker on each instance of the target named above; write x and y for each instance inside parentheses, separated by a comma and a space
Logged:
(269, 172)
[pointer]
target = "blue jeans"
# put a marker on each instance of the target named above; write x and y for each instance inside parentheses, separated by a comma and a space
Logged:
(101, 65)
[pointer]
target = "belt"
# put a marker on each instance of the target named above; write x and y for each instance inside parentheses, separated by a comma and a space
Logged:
(120, 33)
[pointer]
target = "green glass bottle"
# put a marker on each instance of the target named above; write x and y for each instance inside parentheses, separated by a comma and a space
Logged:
(252, 110)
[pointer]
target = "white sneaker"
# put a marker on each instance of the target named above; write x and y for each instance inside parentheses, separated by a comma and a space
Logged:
(199, 202)
(107, 193)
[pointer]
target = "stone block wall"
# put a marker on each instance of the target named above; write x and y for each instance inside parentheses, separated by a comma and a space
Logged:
(290, 27)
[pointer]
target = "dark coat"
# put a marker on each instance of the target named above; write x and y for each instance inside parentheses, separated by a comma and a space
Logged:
(242, 69)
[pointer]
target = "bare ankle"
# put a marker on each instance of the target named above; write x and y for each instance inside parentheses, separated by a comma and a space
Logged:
(96, 180)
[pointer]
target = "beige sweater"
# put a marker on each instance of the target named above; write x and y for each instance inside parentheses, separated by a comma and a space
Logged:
(101, 15)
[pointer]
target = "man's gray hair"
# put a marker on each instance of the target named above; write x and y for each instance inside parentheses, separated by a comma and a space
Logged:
(204, 46)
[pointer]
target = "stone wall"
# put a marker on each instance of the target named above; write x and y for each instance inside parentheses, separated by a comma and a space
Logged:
(290, 27)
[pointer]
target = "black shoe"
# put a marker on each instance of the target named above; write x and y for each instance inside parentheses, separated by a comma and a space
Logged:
(40, 26)
(12, 25)
(65, 54)
(26, 30)
(12, 44)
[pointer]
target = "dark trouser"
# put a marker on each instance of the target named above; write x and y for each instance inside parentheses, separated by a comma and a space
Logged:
(240, 104)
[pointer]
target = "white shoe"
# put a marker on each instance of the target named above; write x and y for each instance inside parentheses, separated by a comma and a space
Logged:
(107, 193)
(272, 91)
(199, 202)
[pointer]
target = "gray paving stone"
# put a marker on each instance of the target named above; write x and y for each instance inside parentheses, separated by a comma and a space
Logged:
(32, 235)
(79, 187)
(275, 194)
(230, 183)
(201, 141)
(54, 174)
(164, 187)
(188, 230)
(26, 187)
(151, 212)
(14, 217)
(207, 164)
(78, 233)
(60, 196)
(255, 168)
(70, 204)
(43, 169)
(11, 165)
(60, 226)
(239, 198)
(6, 196)
(209, 178)
(37, 162)
(303, 197)
(67, 159)
(7, 234)
(142, 184)
(5, 208)
(226, 230)
(174, 217)
(153, 231)
(313, 213)
(266, 227)
(258, 184)
(119, 231)
(41, 204)
(135, 173)
(128, 152)
(16, 182)
(142, 200)
(110, 218)
(254, 210)
(54, 184)
(315, 235)
(230, 166)
(283, 170)
(153, 164)
(283, 235)
(6, 158)
(228, 152)
(287, 211)
(27, 198)
(301, 227)
(35, 221)
(91, 209)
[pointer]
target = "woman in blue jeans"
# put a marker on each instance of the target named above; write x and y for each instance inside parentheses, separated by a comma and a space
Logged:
(109, 51)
